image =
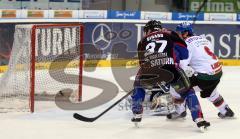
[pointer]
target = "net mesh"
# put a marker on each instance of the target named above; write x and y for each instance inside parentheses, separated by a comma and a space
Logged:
(57, 56)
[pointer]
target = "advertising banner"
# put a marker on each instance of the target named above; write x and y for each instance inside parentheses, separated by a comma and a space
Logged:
(94, 14)
(62, 14)
(119, 40)
(220, 16)
(238, 17)
(156, 15)
(9, 13)
(56, 0)
(35, 14)
(225, 38)
(187, 16)
(215, 6)
(73, 0)
(123, 14)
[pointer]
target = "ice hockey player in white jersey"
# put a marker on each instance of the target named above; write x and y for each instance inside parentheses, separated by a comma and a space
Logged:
(203, 69)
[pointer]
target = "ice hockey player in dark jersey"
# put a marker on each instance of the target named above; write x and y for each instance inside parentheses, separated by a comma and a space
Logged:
(159, 54)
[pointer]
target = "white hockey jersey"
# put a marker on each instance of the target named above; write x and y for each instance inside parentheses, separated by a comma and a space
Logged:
(201, 56)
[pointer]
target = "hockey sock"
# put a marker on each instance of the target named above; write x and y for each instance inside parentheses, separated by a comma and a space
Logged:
(218, 101)
(137, 100)
(193, 105)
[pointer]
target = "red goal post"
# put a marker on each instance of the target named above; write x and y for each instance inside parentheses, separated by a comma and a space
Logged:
(33, 56)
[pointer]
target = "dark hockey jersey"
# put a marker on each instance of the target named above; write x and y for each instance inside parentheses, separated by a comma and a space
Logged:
(161, 48)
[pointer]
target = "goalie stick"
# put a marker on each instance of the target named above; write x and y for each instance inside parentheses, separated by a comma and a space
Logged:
(89, 119)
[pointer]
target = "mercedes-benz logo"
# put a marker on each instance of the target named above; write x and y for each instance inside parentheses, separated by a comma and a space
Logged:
(99, 38)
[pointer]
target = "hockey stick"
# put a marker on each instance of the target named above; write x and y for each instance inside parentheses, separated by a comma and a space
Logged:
(87, 119)
(198, 11)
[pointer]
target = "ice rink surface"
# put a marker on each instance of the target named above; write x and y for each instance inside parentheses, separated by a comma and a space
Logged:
(53, 123)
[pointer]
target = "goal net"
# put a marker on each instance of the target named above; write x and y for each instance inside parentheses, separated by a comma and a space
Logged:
(45, 59)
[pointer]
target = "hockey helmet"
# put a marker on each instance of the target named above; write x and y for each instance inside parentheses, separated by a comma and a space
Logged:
(152, 25)
(185, 27)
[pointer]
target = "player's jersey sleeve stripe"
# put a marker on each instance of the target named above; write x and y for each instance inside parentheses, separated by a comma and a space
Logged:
(174, 57)
(180, 44)
(218, 70)
(183, 52)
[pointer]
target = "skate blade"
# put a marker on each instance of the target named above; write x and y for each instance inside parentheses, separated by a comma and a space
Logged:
(228, 118)
(176, 119)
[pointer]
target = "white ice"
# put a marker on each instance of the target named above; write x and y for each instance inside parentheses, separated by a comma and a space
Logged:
(50, 122)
